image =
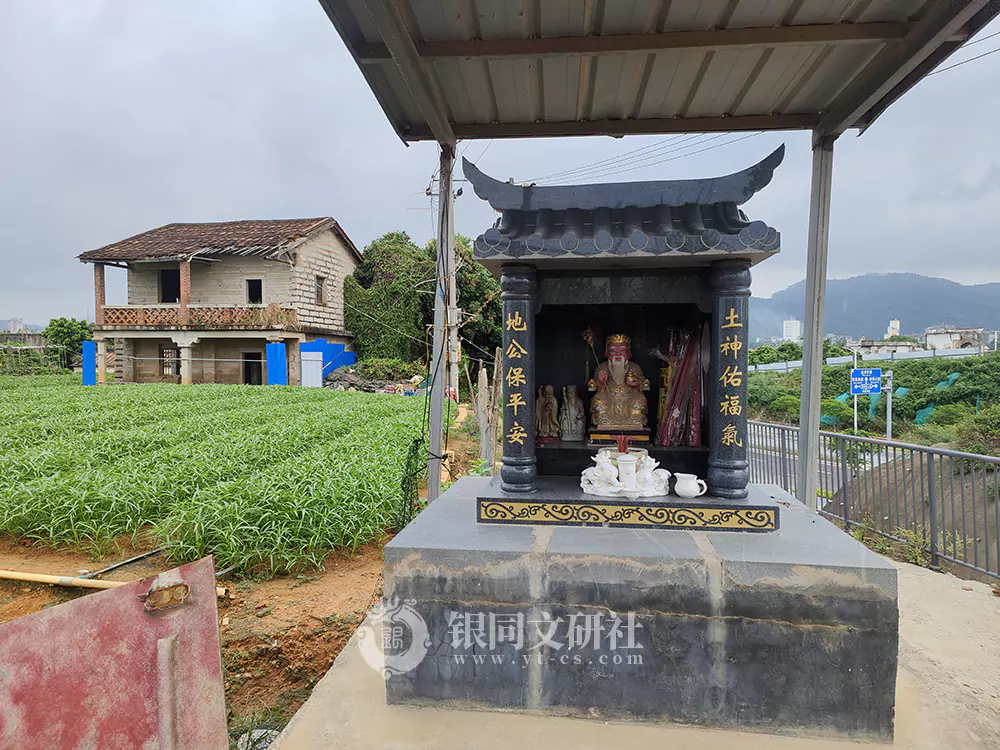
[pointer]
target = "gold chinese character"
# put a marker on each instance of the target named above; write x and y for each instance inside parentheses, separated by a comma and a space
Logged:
(515, 350)
(729, 436)
(731, 405)
(516, 400)
(731, 345)
(732, 319)
(732, 376)
(516, 434)
(515, 377)
(516, 323)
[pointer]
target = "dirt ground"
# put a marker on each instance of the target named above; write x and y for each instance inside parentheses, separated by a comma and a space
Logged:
(278, 636)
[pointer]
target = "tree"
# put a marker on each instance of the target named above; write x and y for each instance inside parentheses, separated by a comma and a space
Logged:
(68, 333)
(764, 355)
(831, 349)
(384, 299)
(479, 298)
(789, 352)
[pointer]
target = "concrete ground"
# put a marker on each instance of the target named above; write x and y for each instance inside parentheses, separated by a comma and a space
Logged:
(947, 695)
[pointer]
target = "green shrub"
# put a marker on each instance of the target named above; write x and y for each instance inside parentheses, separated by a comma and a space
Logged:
(389, 368)
(843, 413)
(786, 407)
(980, 433)
(949, 414)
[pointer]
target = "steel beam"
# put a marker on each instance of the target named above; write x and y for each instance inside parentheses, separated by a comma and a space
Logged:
(650, 126)
(439, 371)
(401, 50)
(893, 64)
(812, 348)
(704, 39)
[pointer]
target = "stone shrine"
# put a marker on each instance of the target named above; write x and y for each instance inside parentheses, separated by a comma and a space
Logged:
(736, 608)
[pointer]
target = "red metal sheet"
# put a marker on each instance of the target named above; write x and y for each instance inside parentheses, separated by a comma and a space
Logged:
(106, 671)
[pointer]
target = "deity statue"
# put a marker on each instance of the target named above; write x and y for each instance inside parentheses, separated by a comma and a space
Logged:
(571, 415)
(547, 414)
(619, 402)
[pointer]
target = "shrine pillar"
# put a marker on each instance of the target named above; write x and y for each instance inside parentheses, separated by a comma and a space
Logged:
(728, 468)
(519, 294)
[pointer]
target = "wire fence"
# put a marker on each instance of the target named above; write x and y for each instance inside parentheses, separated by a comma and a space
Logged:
(940, 501)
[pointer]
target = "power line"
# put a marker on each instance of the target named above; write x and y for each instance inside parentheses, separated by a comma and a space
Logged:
(980, 39)
(647, 160)
(963, 62)
(680, 156)
(633, 153)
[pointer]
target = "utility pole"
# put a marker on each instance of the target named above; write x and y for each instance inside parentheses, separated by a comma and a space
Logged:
(439, 372)
(453, 311)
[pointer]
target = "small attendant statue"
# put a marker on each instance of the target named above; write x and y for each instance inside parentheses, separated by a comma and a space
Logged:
(547, 414)
(571, 415)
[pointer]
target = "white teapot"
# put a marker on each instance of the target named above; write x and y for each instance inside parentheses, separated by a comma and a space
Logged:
(688, 485)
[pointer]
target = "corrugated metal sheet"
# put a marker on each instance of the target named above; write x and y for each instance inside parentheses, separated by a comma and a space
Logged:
(719, 81)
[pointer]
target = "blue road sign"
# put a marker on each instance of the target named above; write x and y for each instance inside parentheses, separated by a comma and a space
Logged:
(866, 380)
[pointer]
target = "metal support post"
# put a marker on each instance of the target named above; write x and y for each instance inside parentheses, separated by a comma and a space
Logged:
(438, 367)
(812, 354)
(932, 501)
(888, 406)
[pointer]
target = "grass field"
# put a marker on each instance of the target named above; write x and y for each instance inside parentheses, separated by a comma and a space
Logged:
(268, 479)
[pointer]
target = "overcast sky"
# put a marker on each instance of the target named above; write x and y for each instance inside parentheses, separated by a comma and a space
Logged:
(118, 117)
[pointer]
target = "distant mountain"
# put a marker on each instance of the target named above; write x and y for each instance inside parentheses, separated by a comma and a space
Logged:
(863, 305)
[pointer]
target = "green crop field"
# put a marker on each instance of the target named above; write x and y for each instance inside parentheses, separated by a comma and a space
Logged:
(268, 479)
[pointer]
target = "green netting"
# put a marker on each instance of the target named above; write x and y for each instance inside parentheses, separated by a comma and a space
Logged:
(843, 397)
(948, 382)
(873, 400)
(900, 392)
(828, 421)
(924, 414)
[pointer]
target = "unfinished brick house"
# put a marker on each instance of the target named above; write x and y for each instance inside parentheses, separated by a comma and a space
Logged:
(204, 299)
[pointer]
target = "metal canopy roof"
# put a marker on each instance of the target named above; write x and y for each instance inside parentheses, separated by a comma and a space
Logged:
(452, 69)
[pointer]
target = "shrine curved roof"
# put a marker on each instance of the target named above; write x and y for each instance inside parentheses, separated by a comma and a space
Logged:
(736, 188)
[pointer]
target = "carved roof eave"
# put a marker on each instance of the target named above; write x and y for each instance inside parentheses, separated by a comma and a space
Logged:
(755, 243)
(736, 188)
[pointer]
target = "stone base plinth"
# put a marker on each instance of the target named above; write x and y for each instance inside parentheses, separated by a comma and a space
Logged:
(790, 631)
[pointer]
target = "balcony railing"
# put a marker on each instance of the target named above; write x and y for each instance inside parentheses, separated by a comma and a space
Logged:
(199, 316)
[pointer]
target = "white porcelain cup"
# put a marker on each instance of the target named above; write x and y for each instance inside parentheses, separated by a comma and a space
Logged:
(688, 485)
(626, 471)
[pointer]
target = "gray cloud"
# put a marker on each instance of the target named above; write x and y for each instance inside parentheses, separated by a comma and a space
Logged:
(119, 117)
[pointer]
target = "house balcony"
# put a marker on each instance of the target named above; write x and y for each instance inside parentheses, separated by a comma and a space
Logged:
(198, 317)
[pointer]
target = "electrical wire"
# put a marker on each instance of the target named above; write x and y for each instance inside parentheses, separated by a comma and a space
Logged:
(963, 62)
(979, 39)
(679, 156)
(648, 159)
(628, 156)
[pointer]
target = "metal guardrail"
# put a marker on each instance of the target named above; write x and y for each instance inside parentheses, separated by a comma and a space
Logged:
(796, 364)
(944, 501)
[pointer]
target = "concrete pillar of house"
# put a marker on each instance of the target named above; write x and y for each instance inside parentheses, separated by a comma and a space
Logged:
(99, 297)
(125, 360)
(182, 314)
(208, 361)
(102, 361)
(294, 362)
(186, 378)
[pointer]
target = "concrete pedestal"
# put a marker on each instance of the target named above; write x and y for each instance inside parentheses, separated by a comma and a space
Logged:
(790, 631)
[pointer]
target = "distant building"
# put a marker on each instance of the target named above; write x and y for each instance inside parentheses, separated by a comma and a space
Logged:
(791, 330)
(950, 337)
(893, 329)
(16, 325)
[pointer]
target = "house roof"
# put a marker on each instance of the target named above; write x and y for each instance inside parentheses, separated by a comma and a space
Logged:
(266, 237)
